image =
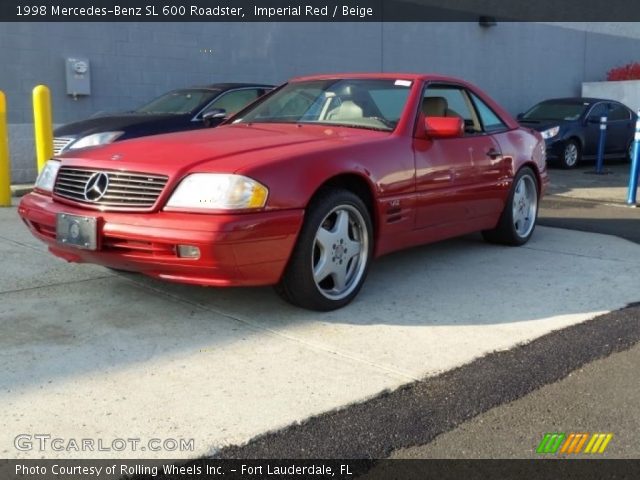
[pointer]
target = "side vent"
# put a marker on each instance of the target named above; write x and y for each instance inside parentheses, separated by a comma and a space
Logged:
(394, 214)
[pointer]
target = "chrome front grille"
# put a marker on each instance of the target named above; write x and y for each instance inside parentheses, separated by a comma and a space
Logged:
(60, 143)
(124, 190)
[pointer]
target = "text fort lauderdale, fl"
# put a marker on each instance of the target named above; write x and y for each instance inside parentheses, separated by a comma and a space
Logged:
(167, 469)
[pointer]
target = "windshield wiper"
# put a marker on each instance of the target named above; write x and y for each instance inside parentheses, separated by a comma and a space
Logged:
(265, 121)
(335, 124)
(352, 125)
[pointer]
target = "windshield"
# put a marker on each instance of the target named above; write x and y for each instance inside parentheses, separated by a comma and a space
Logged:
(556, 111)
(179, 101)
(371, 104)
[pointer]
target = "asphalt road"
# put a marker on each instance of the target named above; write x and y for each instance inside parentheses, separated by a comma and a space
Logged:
(599, 397)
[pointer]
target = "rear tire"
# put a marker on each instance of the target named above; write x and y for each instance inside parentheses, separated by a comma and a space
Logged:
(518, 219)
(331, 258)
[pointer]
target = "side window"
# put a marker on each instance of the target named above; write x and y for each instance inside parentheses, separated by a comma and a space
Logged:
(599, 110)
(234, 101)
(618, 112)
(490, 121)
(450, 101)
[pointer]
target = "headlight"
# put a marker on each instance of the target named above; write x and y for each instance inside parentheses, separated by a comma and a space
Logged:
(218, 191)
(47, 176)
(550, 133)
(95, 139)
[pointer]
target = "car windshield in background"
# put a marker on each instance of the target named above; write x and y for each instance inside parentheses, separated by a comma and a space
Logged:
(556, 111)
(371, 104)
(178, 101)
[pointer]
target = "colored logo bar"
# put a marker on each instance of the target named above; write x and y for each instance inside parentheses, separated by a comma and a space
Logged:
(574, 443)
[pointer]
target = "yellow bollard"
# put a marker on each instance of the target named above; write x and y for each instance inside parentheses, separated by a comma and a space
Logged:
(5, 169)
(42, 124)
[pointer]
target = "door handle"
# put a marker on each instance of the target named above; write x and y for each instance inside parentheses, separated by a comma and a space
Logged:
(493, 153)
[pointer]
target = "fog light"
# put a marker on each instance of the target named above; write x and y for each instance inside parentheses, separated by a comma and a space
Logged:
(188, 251)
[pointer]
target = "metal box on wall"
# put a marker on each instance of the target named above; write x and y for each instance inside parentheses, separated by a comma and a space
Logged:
(78, 76)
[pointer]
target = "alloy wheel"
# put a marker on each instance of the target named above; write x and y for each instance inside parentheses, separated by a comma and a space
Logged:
(525, 206)
(340, 251)
(571, 155)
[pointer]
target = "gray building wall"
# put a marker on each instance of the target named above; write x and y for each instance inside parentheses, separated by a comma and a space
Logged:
(516, 63)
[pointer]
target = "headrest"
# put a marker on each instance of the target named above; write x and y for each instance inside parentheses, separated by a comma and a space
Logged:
(434, 106)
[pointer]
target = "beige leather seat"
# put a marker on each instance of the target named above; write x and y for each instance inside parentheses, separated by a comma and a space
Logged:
(435, 106)
(347, 110)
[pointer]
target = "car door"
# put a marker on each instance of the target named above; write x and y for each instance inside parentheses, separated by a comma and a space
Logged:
(620, 129)
(492, 167)
(447, 169)
(592, 128)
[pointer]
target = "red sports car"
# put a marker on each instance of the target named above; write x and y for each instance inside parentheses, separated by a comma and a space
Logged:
(300, 190)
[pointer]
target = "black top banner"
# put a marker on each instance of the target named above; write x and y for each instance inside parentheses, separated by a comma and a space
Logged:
(485, 11)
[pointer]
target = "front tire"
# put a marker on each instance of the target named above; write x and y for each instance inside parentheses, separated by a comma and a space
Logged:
(571, 154)
(518, 219)
(331, 258)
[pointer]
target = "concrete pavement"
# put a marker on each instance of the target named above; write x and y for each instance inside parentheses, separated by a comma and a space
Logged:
(589, 216)
(581, 183)
(85, 353)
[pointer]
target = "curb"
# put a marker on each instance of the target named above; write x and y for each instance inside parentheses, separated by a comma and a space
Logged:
(601, 201)
(21, 190)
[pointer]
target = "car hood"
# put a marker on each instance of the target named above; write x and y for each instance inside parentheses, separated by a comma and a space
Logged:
(112, 123)
(228, 148)
(541, 125)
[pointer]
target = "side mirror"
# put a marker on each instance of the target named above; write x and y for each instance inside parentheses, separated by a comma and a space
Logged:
(444, 127)
(520, 116)
(216, 115)
(593, 119)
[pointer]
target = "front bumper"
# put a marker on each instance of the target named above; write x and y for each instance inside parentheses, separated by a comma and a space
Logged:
(554, 147)
(248, 249)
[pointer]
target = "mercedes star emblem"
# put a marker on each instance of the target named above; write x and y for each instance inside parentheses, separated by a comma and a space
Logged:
(96, 186)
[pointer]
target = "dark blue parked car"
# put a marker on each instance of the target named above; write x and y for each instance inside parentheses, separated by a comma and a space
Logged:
(571, 128)
(177, 110)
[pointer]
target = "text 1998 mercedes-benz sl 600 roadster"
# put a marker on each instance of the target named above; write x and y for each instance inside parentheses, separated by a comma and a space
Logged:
(302, 189)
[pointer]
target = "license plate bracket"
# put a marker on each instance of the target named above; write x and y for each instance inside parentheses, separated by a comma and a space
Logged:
(77, 231)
